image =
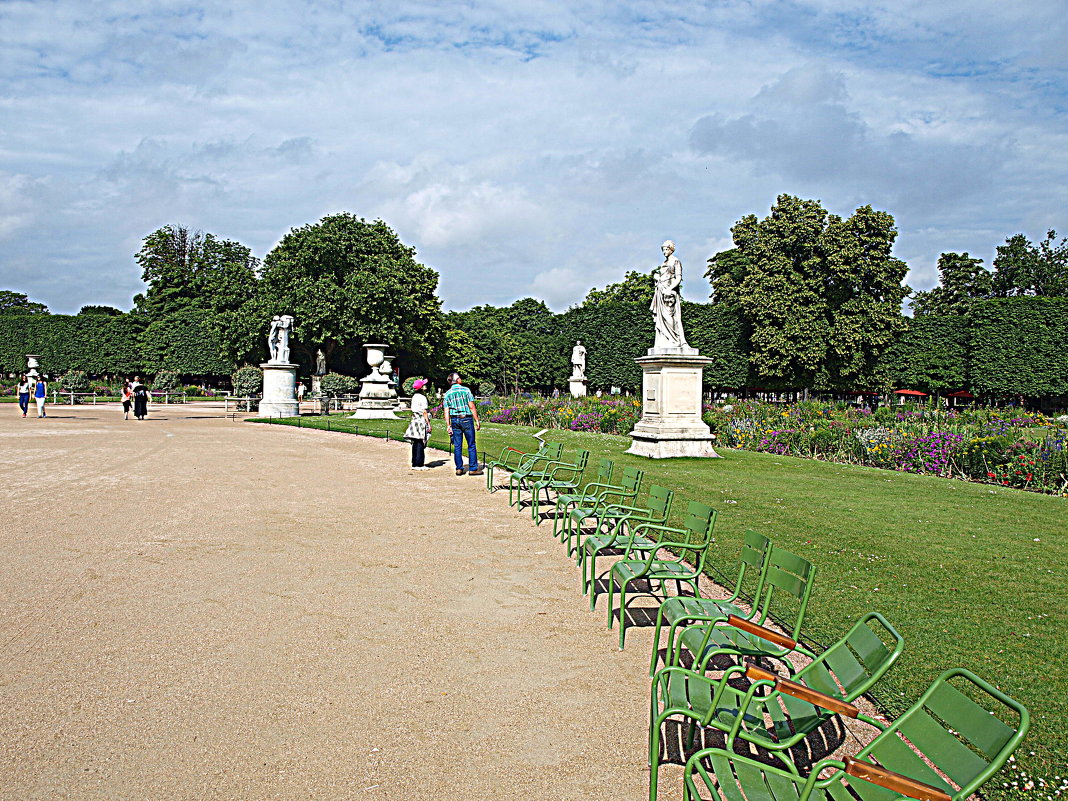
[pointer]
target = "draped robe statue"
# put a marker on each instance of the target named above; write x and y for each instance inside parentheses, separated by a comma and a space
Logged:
(667, 302)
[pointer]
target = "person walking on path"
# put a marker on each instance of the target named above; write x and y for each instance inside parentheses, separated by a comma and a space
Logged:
(461, 421)
(40, 394)
(300, 393)
(419, 428)
(127, 399)
(140, 396)
(24, 394)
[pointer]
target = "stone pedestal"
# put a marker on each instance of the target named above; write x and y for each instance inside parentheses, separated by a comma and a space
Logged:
(577, 385)
(671, 424)
(377, 396)
(279, 390)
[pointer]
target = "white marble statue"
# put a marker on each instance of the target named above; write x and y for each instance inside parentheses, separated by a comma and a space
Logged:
(667, 302)
(278, 339)
(578, 360)
(320, 362)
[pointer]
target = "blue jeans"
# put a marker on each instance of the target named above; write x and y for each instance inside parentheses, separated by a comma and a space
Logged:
(24, 401)
(463, 428)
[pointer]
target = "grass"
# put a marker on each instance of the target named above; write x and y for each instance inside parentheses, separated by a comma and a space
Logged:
(971, 575)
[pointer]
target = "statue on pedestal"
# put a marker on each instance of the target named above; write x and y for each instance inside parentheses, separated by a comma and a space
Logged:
(278, 339)
(320, 362)
(578, 360)
(667, 302)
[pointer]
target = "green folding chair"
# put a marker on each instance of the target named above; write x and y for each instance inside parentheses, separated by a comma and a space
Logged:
(532, 467)
(620, 521)
(683, 609)
(586, 496)
(956, 737)
(775, 713)
(629, 487)
(559, 477)
(788, 581)
(696, 536)
(509, 459)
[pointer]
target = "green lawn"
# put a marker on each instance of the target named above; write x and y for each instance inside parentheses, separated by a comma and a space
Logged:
(971, 575)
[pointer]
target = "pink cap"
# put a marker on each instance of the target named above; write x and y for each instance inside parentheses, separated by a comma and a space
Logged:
(422, 382)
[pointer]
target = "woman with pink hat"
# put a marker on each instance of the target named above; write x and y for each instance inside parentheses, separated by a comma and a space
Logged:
(419, 428)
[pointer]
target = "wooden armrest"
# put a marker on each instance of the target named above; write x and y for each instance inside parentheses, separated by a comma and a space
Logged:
(814, 697)
(761, 632)
(894, 781)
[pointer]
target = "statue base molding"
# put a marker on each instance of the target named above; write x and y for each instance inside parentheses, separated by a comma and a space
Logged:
(279, 390)
(577, 386)
(671, 426)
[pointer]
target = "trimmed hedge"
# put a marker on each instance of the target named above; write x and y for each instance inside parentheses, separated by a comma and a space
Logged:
(931, 354)
(1019, 346)
(93, 343)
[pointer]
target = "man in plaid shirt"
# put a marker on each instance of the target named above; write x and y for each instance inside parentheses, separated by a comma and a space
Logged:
(461, 421)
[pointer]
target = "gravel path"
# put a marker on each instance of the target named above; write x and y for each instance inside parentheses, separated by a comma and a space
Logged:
(207, 609)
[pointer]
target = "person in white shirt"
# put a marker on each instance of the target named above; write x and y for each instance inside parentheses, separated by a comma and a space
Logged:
(418, 430)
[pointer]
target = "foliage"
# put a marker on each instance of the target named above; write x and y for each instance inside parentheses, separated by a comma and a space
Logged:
(461, 353)
(74, 381)
(102, 311)
(408, 386)
(348, 282)
(963, 280)
(1019, 346)
(1022, 268)
(930, 354)
(185, 341)
(247, 381)
(485, 388)
(166, 381)
(338, 384)
(636, 287)
(821, 294)
(97, 345)
(18, 303)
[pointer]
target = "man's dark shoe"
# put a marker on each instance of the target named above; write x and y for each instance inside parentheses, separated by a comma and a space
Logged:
(460, 472)
(477, 472)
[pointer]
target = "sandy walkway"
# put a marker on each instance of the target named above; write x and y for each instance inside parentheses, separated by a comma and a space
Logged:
(208, 609)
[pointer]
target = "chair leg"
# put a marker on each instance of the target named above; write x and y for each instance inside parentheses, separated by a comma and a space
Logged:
(654, 746)
(656, 641)
(611, 593)
(489, 477)
(623, 613)
(534, 504)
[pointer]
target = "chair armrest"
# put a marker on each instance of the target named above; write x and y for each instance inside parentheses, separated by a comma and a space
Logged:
(759, 631)
(893, 781)
(797, 690)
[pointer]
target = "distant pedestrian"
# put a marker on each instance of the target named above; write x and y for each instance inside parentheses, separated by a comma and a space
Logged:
(419, 428)
(127, 399)
(300, 392)
(24, 394)
(556, 392)
(40, 394)
(461, 421)
(140, 399)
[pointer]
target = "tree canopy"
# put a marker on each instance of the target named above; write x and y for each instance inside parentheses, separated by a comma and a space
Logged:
(963, 280)
(348, 281)
(1022, 268)
(636, 287)
(18, 303)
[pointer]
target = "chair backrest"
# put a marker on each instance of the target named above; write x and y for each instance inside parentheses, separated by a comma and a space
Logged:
(632, 480)
(966, 741)
(582, 458)
(552, 451)
(605, 470)
(660, 499)
(854, 663)
(756, 548)
(787, 585)
(700, 522)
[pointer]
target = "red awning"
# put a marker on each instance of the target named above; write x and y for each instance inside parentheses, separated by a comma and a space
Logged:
(910, 392)
(961, 394)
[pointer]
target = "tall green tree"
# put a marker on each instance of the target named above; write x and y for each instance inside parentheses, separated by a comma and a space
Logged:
(962, 281)
(348, 281)
(18, 303)
(636, 287)
(821, 295)
(1022, 268)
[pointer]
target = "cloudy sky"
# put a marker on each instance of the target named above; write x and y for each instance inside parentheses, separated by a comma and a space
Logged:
(523, 147)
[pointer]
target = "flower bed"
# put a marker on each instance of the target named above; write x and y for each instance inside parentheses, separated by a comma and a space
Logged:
(1010, 448)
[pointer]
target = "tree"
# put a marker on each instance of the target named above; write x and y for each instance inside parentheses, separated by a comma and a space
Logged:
(821, 294)
(348, 281)
(17, 303)
(100, 311)
(636, 287)
(963, 280)
(1021, 268)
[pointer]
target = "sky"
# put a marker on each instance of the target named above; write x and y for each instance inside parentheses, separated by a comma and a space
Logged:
(525, 148)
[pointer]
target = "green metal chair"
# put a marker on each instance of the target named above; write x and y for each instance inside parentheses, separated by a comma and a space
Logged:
(509, 459)
(681, 610)
(945, 747)
(699, 524)
(629, 487)
(788, 581)
(620, 520)
(533, 467)
(558, 478)
(586, 496)
(791, 709)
